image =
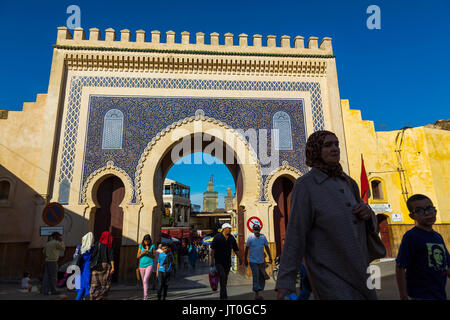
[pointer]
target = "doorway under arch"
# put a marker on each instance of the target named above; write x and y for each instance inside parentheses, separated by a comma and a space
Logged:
(167, 162)
(281, 192)
(196, 134)
(109, 215)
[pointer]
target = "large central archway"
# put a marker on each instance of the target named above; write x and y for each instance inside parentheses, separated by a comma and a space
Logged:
(196, 134)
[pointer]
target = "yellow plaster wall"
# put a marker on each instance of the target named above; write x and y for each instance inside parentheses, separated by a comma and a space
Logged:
(438, 142)
(425, 157)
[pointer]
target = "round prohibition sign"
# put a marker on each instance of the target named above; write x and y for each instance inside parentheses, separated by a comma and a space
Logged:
(252, 221)
(53, 214)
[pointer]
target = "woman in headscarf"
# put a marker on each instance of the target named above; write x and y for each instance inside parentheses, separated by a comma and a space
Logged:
(102, 267)
(85, 249)
(327, 227)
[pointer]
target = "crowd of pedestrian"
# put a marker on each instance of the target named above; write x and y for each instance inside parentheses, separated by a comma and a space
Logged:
(331, 238)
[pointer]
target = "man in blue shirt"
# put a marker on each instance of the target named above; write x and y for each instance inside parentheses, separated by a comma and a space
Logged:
(165, 261)
(255, 245)
(423, 255)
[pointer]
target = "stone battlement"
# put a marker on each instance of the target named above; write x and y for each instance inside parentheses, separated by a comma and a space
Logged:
(110, 40)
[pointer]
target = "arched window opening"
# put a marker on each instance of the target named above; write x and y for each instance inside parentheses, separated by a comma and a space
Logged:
(377, 190)
(5, 189)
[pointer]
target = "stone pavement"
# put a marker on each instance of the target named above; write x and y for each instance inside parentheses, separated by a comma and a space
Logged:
(194, 285)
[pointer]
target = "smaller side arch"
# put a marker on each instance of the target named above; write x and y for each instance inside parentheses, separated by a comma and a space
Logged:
(284, 170)
(95, 179)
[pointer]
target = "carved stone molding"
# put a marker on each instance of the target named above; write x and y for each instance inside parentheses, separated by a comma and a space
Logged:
(110, 168)
(192, 64)
(285, 168)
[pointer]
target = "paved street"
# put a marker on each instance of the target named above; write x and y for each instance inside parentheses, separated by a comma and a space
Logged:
(194, 285)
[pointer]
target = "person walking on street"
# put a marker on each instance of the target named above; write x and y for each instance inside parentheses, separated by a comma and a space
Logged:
(146, 253)
(193, 255)
(102, 266)
(328, 226)
(220, 256)
(52, 251)
(163, 270)
(185, 255)
(174, 251)
(423, 261)
(85, 249)
(153, 279)
(255, 245)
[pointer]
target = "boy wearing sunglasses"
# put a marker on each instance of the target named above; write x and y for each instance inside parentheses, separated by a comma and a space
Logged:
(423, 260)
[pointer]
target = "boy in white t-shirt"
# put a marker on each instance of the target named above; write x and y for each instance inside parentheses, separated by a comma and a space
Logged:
(255, 245)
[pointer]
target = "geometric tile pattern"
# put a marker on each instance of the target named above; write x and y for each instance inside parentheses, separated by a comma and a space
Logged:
(79, 82)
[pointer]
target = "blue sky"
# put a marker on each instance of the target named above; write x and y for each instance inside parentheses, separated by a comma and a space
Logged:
(397, 76)
(197, 176)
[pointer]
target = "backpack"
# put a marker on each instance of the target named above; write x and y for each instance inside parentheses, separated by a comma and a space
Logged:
(167, 264)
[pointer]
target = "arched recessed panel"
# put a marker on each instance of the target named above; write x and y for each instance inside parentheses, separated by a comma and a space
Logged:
(113, 130)
(283, 132)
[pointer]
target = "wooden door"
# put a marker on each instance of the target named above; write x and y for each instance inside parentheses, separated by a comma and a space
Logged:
(281, 191)
(109, 217)
(384, 232)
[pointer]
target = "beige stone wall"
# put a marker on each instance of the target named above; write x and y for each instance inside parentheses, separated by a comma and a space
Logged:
(21, 138)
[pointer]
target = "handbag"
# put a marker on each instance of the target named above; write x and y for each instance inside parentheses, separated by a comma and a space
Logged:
(375, 246)
(94, 260)
(77, 260)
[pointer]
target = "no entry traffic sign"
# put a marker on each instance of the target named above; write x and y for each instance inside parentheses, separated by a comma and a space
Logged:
(53, 214)
(252, 221)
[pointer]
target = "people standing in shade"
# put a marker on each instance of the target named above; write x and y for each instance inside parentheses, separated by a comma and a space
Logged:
(328, 227)
(221, 247)
(52, 251)
(85, 250)
(163, 270)
(146, 253)
(102, 266)
(423, 260)
(254, 252)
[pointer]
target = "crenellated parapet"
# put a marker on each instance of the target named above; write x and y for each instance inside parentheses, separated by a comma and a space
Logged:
(226, 44)
(114, 51)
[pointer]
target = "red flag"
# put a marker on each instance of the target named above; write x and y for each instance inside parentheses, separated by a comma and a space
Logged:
(365, 191)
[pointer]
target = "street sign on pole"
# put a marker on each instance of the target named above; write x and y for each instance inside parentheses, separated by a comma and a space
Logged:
(47, 231)
(252, 221)
(53, 214)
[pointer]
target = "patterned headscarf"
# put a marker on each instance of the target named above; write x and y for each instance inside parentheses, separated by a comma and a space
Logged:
(107, 239)
(313, 154)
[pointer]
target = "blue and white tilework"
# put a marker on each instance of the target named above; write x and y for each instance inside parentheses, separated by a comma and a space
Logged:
(144, 117)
